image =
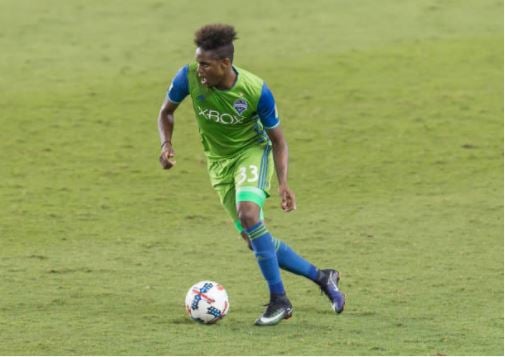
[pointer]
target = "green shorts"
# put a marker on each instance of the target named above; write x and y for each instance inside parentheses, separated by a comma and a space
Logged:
(245, 177)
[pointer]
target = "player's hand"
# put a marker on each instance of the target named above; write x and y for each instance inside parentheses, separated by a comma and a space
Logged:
(167, 156)
(288, 201)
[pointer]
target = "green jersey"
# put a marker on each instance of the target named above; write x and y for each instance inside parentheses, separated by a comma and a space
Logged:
(231, 120)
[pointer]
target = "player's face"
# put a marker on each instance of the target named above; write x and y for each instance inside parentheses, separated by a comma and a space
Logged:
(211, 70)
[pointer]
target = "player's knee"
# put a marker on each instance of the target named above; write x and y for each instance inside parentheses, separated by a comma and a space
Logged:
(248, 218)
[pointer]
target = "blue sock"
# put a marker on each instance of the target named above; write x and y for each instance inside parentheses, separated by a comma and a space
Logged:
(289, 260)
(264, 249)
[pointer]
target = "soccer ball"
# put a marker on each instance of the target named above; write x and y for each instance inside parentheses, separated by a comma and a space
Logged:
(207, 302)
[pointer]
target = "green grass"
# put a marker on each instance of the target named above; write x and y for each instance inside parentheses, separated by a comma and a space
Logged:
(394, 115)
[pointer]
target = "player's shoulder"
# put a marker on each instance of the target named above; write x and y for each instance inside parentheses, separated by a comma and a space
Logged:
(249, 77)
(182, 73)
(249, 82)
(186, 69)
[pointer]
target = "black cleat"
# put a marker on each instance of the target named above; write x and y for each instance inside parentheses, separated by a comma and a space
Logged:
(278, 309)
(329, 286)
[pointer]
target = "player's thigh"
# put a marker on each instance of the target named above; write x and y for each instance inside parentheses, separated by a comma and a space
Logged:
(253, 174)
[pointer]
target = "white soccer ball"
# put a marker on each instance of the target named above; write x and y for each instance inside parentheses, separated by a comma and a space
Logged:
(207, 302)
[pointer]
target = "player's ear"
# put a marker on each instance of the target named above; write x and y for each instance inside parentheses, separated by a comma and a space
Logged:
(226, 62)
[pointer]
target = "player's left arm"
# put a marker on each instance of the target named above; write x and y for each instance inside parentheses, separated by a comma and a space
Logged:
(269, 117)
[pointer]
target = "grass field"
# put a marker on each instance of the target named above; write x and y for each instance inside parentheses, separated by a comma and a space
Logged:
(394, 115)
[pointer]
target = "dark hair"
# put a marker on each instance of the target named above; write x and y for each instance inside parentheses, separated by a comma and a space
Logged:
(217, 38)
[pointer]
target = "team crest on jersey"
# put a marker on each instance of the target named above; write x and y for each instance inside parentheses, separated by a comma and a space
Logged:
(240, 106)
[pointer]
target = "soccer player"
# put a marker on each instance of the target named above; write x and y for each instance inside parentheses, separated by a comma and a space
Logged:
(243, 142)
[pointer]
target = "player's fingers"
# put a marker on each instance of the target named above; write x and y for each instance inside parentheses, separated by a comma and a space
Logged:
(286, 202)
(167, 165)
(165, 162)
(290, 202)
(167, 154)
(293, 201)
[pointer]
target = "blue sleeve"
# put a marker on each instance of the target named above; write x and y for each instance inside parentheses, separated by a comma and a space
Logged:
(267, 110)
(179, 88)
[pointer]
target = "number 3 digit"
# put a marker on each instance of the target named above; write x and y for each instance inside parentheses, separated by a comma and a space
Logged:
(254, 172)
(241, 177)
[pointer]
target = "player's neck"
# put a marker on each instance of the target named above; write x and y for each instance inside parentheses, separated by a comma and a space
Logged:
(228, 81)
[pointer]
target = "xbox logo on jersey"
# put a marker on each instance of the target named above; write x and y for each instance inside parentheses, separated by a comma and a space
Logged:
(222, 118)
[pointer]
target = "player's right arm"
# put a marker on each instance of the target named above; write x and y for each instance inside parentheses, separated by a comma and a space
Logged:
(178, 90)
(166, 129)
